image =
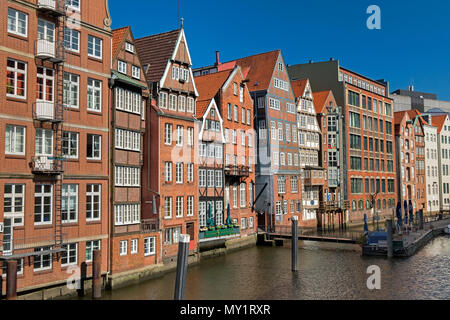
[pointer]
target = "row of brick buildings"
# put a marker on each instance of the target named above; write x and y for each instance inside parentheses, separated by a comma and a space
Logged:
(116, 144)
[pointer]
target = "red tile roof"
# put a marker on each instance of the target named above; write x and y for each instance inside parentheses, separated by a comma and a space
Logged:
(156, 50)
(398, 116)
(299, 87)
(438, 121)
(207, 86)
(257, 68)
(320, 98)
(117, 38)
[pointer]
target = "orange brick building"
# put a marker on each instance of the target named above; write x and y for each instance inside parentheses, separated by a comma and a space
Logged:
(235, 106)
(133, 239)
(171, 191)
(277, 170)
(410, 158)
(54, 121)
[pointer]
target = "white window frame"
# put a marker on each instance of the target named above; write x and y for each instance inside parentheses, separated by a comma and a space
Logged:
(93, 39)
(71, 87)
(90, 247)
(94, 151)
(123, 247)
(71, 248)
(122, 66)
(14, 149)
(16, 71)
(70, 194)
(134, 246)
(72, 40)
(16, 18)
(94, 95)
(149, 246)
(91, 195)
(43, 195)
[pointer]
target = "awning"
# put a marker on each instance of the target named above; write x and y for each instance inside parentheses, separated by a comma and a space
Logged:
(117, 76)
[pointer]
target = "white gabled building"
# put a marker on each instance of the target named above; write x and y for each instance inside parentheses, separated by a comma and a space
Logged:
(442, 123)
(431, 166)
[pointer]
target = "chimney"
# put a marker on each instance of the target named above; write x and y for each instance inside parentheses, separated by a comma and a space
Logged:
(310, 61)
(331, 59)
(411, 88)
(217, 58)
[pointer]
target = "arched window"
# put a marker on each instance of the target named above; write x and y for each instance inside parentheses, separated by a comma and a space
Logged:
(367, 204)
(354, 205)
(361, 205)
(379, 204)
(384, 203)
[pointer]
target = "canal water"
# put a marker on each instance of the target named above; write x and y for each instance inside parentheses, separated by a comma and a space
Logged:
(326, 271)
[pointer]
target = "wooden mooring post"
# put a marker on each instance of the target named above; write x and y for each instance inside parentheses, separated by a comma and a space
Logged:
(11, 280)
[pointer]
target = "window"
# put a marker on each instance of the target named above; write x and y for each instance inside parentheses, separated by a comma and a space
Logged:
(42, 261)
(167, 171)
(13, 202)
(94, 95)
(69, 256)
(353, 98)
(127, 176)
(126, 214)
(179, 135)
(94, 47)
(69, 203)
(43, 203)
(234, 196)
(134, 246)
(181, 103)
(190, 206)
(202, 213)
(122, 66)
(167, 207)
(274, 104)
(136, 72)
(281, 184)
(172, 102)
(17, 22)
(191, 104)
(355, 120)
(163, 100)
(44, 142)
(149, 246)
(93, 202)
(44, 86)
(73, 4)
(248, 117)
(15, 140)
(123, 247)
(129, 47)
(72, 39)
(242, 198)
(179, 172)
(16, 79)
(71, 90)
(93, 147)
(236, 114)
(168, 134)
(90, 247)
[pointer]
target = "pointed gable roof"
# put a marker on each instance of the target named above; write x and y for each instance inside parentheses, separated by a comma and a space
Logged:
(258, 69)
(438, 121)
(156, 50)
(118, 36)
(320, 98)
(399, 115)
(208, 85)
(299, 87)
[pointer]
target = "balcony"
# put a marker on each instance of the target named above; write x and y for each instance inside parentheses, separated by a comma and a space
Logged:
(333, 205)
(149, 225)
(237, 171)
(46, 111)
(47, 165)
(218, 233)
(52, 7)
(48, 49)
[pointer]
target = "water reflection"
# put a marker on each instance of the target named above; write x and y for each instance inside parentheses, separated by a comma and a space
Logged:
(326, 271)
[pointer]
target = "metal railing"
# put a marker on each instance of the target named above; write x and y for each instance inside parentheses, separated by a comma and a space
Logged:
(47, 165)
(149, 225)
(55, 6)
(237, 170)
(49, 49)
(285, 230)
(48, 111)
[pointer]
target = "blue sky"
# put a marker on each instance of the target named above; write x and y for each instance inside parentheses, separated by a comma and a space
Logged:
(412, 47)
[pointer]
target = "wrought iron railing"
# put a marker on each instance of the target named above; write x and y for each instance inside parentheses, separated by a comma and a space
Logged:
(237, 170)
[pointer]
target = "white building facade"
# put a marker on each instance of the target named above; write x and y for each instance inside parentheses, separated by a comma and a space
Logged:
(432, 171)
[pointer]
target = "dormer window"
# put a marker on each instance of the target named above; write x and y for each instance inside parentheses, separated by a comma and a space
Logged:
(212, 113)
(129, 47)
